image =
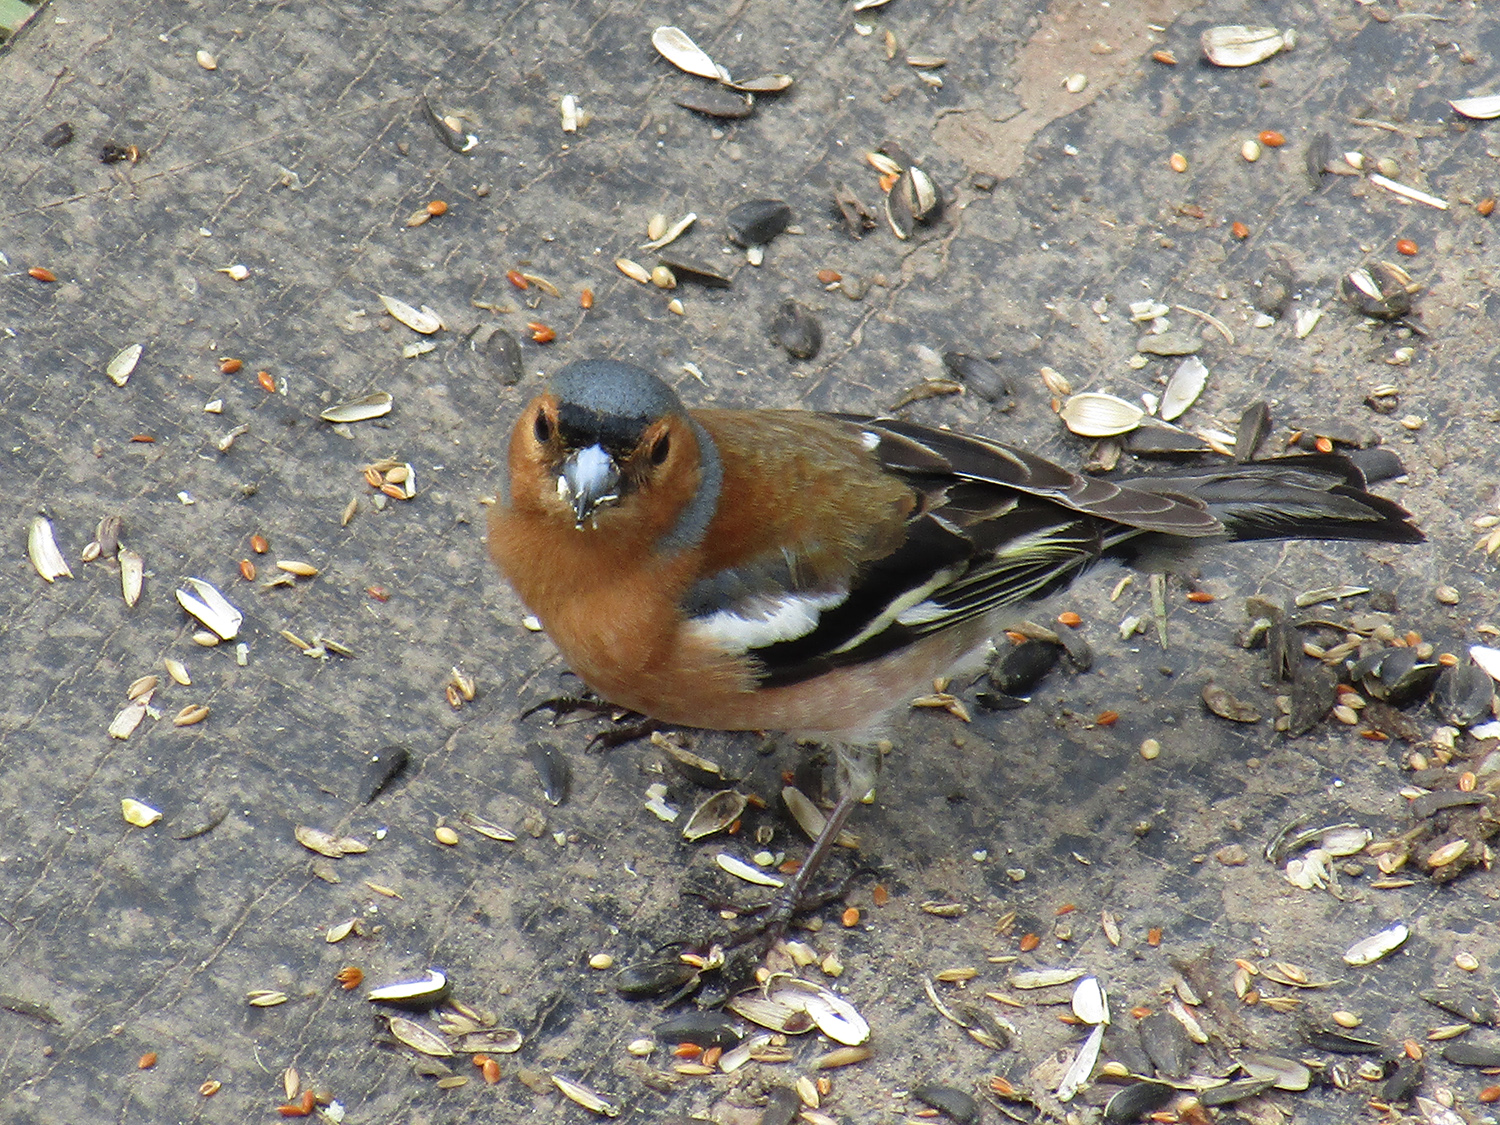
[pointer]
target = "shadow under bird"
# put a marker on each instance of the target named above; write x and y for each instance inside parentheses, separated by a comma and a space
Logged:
(807, 572)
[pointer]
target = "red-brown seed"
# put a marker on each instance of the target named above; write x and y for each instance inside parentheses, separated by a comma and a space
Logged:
(1107, 719)
(1029, 942)
(267, 381)
(1323, 445)
(350, 977)
(586, 299)
(247, 570)
(1485, 206)
(1490, 1094)
(491, 1071)
(293, 1111)
(540, 332)
(394, 491)
(879, 895)
(1166, 58)
(1272, 139)
(147, 1061)
(1202, 597)
(1239, 230)
(712, 1056)
(229, 365)
(378, 593)
(516, 278)
(1001, 1085)
(1140, 1013)
(258, 544)
(828, 277)
(1065, 908)
(41, 273)
(686, 1051)
(437, 207)
(850, 917)
(144, 439)
(1406, 246)
(1374, 736)
(1070, 619)
(1153, 936)
(307, 1101)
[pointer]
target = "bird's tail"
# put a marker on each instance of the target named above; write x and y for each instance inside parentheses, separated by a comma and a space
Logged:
(1316, 496)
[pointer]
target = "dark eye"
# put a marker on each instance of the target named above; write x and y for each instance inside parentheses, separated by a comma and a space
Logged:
(542, 429)
(660, 450)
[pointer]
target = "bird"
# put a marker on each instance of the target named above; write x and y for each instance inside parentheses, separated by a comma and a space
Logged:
(790, 570)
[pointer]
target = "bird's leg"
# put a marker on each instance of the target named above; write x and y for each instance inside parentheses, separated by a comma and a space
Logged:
(564, 705)
(858, 768)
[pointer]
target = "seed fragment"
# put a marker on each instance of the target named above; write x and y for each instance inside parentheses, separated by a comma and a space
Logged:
(138, 813)
(42, 548)
(1486, 206)
(41, 273)
(207, 61)
(1177, 162)
(540, 333)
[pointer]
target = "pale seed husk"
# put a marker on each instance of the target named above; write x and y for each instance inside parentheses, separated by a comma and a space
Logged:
(42, 548)
(132, 575)
(141, 686)
(1093, 414)
(138, 813)
(265, 998)
(678, 48)
(747, 871)
(207, 61)
(715, 814)
(422, 320)
(295, 566)
(1239, 45)
(1183, 388)
(212, 608)
(577, 1091)
(123, 363)
(178, 671)
(334, 935)
(1482, 108)
(376, 405)
(1287, 1074)
(1089, 1002)
(1448, 853)
(419, 1038)
(1368, 950)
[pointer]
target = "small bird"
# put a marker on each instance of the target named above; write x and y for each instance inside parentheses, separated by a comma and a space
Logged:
(808, 572)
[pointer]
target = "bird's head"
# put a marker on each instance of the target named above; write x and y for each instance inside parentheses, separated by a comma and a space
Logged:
(609, 444)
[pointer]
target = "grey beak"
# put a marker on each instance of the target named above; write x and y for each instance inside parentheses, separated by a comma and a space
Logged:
(590, 479)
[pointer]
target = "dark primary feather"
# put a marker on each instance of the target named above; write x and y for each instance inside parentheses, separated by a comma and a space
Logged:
(999, 526)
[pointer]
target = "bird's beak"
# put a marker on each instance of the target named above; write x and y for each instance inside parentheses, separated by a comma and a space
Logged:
(589, 480)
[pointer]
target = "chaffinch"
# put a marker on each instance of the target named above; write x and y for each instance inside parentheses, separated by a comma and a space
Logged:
(807, 572)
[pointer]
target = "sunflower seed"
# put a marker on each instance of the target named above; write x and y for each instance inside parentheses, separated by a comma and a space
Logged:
(715, 814)
(1483, 108)
(1183, 388)
(1093, 414)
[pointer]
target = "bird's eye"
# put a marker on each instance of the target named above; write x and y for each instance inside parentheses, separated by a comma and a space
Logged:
(660, 450)
(542, 429)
